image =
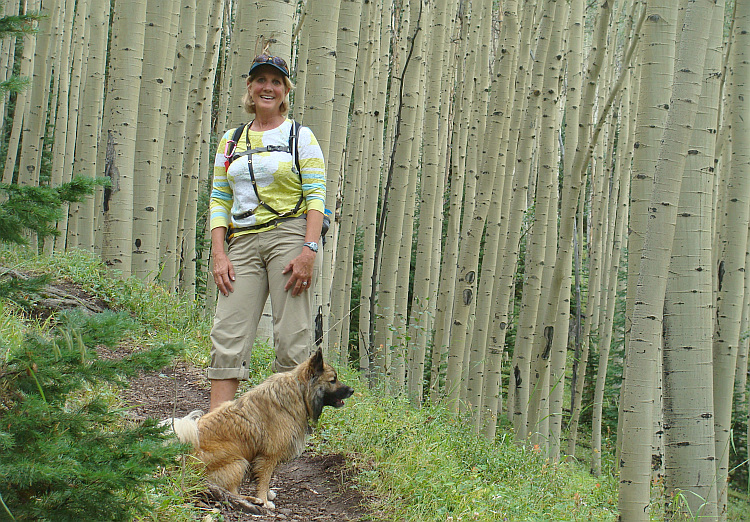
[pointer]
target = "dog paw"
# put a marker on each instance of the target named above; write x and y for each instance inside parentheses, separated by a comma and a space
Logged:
(269, 505)
(271, 494)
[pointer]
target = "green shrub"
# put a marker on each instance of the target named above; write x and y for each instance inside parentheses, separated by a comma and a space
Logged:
(65, 453)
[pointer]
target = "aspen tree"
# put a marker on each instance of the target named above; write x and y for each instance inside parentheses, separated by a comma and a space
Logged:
(585, 140)
(77, 71)
(468, 256)
(562, 321)
(374, 162)
(21, 111)
(497, 131)
(119, 131)
(642, 347)
(510, 233)
(60, 98)
(158, 62)
(90, 125)
(442, 164)
(359, 150)
(170, 180)
(367, 116)
(350, 17)
(430, 211)
(688, 315)
(300, 49)
(352, 13)
(420, 18)
(655, 61)
(731, 253)
(219, 123)
(534, 253)
(7, 54)
(61, 113)
(472, 369)
(542, 244)
(458, 185)
(30, 157)
(321, 24)
(389, 333)
(208, 33)
(561, 316)
(619, 215)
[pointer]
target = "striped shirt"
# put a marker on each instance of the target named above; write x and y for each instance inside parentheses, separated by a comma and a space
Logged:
(232, 194)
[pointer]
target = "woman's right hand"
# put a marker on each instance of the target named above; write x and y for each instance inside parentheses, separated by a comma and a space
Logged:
(223, 273)
(223, 269)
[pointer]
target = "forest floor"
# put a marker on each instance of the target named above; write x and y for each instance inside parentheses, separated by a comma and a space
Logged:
(313, 487)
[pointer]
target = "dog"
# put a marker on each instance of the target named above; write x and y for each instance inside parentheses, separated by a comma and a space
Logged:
(263, 428)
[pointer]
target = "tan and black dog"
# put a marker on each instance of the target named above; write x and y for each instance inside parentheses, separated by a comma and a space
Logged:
(263, 427)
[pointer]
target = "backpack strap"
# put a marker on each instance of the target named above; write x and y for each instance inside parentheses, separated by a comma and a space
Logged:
(231, 146)
(293, 149)
(294, 146)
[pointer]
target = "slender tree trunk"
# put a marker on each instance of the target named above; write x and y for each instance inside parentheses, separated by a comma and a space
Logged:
(638, 388)
(373, 164)
(466, 283)
(77, 72)
(346, 57)
(431, 213)
(731, 253)
(21, 111)
(655, 67)
(159, 46)
(545, 233)
(503, 78)
(208, 29)
(34, 126)
(174, 149)
(119, 131)
(515, 202)
(90, 125)
(688, 380)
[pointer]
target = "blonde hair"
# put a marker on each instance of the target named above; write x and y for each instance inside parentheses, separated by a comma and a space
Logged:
(247, 100)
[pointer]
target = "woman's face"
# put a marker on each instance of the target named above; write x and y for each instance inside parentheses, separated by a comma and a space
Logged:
(267, 90)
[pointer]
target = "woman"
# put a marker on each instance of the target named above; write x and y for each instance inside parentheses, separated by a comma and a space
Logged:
(272, 215)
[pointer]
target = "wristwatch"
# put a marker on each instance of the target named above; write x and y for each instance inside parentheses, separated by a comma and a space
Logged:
(312, 245)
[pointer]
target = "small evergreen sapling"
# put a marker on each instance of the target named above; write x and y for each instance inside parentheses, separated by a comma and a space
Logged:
(64, 453)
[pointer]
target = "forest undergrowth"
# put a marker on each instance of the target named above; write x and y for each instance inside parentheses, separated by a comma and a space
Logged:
(412, 464)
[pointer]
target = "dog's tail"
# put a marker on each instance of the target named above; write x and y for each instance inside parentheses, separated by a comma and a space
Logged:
(186, 428)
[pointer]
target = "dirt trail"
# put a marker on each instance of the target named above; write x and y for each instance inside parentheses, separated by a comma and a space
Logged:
(310, 488)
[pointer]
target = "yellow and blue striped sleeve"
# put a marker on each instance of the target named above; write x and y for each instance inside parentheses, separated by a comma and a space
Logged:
(313, 171)
(221, 193)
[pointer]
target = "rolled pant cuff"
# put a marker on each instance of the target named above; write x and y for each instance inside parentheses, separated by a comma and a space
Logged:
(220, 374)
(278, 367)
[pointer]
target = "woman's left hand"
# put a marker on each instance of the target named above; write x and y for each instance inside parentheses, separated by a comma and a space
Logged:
(301, 268)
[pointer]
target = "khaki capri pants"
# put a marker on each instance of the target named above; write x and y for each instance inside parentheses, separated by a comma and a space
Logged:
(259, 260)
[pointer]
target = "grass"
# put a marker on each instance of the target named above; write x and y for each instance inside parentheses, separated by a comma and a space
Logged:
(164, 317)
(426, 464)
(414, 465)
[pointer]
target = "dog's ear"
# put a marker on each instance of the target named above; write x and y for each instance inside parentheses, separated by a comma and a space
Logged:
(316, 362)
